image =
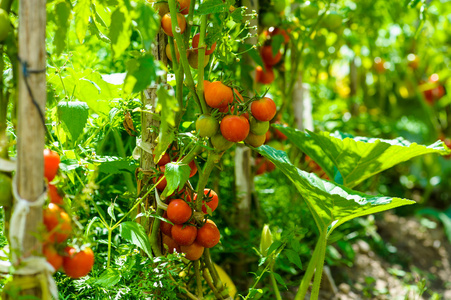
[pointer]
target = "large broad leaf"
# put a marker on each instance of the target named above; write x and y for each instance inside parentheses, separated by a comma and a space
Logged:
(82, 15)
(331, 204)
(351, 160)
(74, 115)
(148, 23)
(141, 73)
(211, 7)
(135, 234)
(120, 30)
(176, 175)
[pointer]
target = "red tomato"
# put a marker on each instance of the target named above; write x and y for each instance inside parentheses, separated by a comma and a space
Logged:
(165, 227)
(195, 44)
(212, 200)
(208, 235)
(264, 76)
(263, 109)
(164, 159)
(172, 245)
(193, 251)
(217, 94)
(51, 164)
(167, 26)
(179, 211)
(53, 195)
(78, 264)
(184, 235)
(280, 31)
(268, 58)
(52, 256)
(193, 167)
(234, 128)
(57, 222)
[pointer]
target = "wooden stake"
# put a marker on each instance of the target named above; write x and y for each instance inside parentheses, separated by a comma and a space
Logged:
(31, 131)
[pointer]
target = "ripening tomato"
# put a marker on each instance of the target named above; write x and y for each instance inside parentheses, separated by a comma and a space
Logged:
(51, 164)
(193, 59)
(184, 6)
(53, 195)
(167, 26)
(169, 54)
(237, 97)
(195, 44)
(52, 256)
(260, 164)
(172, 245)
(268, 58)
(211, 200)
(184, 235)
(179, 211)
(208, 235)
(164, 159)
(78, 264)
(5, 25)
(264, 76)
(255, 140)
(207, 126)
(234, 128)
(258, 127)
(57, 222)
(193, 168)
(193, 251)
(263, 109)
(161, 184)
(220, 143)
(217, 94)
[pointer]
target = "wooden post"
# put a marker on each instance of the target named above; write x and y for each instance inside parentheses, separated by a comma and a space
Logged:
(31, 131)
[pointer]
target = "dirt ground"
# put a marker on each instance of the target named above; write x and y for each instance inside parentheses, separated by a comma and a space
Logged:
(418, 254)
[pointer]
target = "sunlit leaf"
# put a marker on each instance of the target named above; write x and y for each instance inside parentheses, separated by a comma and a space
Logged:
(82, 15)
(74, 115)
(135, 234)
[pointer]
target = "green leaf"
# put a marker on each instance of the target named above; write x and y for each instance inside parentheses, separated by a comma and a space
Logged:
(294, 258)
(114, 165)
(109, 278)
(279, 280)
(120, 31)
(74, 115)
(237, 15)
(62, 17)
(135, 234)
(82, 14)
(357, 158)
(176, 175)
(211, 7)
(331, 204)
(141, 73)
(276, 43)
(148, 24)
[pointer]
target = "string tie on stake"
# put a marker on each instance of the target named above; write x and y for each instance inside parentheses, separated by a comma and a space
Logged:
(32, 265)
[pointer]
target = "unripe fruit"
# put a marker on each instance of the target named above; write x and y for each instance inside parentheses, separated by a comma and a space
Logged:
(266, 240)
(207, 126)
(258, 127)
(5, 25)
(255, 140)
(220, 143)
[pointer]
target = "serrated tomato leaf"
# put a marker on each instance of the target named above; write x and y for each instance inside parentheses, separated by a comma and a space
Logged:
(176, 175)
(114, 165)
(211, 7)
(331, 204)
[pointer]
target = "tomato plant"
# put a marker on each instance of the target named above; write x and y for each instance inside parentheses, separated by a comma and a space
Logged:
(184, 6)
(207, 126)
(212, 200)
(195, 43)
(54, 195)
(57, 222)
(264, 76)
(268, 57)
(166, 24)
(217, 94)
(52, 256)
(78, 264)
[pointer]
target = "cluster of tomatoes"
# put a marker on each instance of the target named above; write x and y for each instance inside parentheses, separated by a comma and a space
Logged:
(166, 25)
(188, 234)
(75, 263)
(240, 121)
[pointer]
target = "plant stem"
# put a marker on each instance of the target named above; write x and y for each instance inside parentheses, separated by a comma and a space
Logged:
(274, 284)
(154, 234)
(110, 232)
(198, 279)
(319, 269)
(121, 150)
(305, 283)
(212, 159)
(201, 60)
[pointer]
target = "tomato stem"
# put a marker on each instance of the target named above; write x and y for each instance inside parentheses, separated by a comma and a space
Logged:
(212, 159)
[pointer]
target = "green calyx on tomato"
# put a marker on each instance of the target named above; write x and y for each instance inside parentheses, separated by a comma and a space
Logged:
(5, 25)
(6, 195)
(220, 143)
(258, 127)
(207, 126)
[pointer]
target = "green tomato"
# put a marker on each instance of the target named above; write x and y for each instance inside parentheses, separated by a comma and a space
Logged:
(279, 6)
(6, 195)
(269, 19)
(332, 21)
(220, 143)
(207, 126)
(255, 140)
(4, 25)
(258, 127)
(309, 10)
